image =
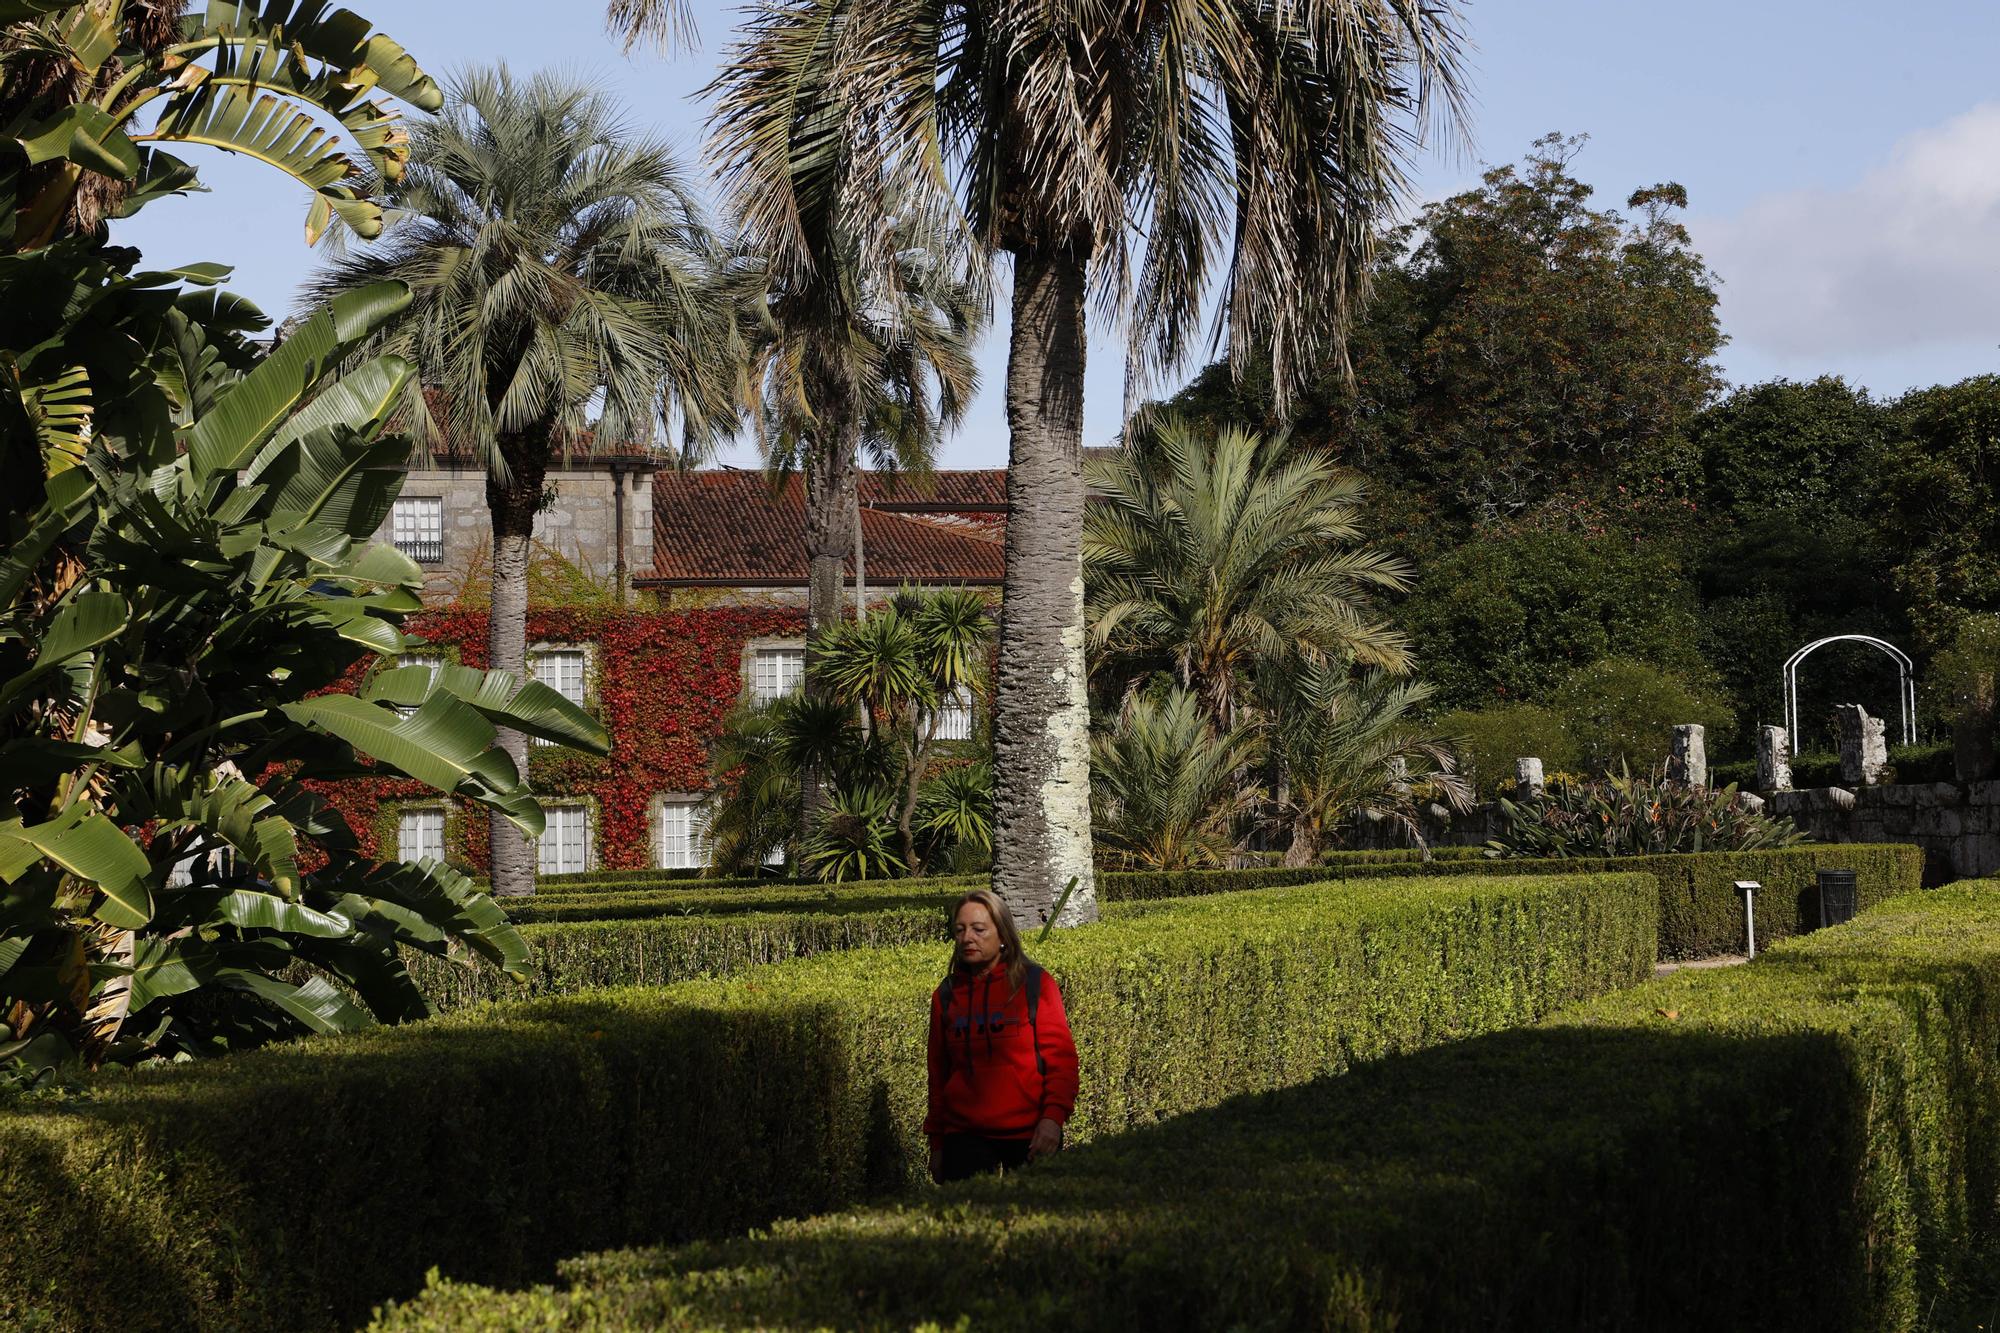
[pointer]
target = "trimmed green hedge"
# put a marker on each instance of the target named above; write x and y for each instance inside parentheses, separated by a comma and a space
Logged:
(1701, 914)
(1807, 1142)
(625, 881)
(294, 1187)
(658, 950)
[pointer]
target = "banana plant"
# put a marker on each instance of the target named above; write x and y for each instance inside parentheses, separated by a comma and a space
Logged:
(179, 609)
(259, 81)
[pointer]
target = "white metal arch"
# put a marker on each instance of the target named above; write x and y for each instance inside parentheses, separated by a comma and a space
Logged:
(1905, 681)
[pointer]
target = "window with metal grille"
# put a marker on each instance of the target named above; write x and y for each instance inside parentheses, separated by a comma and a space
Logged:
(416, 526)
(564, 848)
(561, 669)
(432, 663)
(420, 834)
(776, 672)
(954, 715)
(683, 835)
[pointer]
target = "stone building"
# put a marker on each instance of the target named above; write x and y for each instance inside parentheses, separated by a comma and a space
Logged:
(706, 572)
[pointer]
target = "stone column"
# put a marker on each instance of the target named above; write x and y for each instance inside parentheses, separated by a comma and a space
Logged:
(1864, 745)
(1687, 762)
(1774, 760)
(1528, 781)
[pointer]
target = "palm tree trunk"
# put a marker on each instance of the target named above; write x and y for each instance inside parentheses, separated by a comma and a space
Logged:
(831, 491)
(512, 507)
(1041, 743)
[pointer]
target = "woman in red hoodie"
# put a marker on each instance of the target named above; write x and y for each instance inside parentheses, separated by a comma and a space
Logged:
(1002, 1061)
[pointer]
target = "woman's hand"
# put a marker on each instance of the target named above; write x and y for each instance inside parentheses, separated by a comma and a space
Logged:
(1047, 1139)
(937, 1160)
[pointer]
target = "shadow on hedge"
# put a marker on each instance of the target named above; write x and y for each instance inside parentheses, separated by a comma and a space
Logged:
(1567, 1177)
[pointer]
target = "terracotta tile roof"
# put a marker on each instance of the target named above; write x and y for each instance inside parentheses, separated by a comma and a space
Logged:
(725, 527)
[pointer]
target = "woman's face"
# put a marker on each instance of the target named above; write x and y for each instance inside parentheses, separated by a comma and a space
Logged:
(978, 938)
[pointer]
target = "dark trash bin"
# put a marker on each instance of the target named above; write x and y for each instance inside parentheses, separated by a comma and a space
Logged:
(1837, 896)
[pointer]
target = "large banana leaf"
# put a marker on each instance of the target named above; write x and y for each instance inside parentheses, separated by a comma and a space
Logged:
(374, 971)
(84, 622)
(340, 38)
(349, 486)
(69, 495)
(445, 744)
(230, 436)
(442, 896)
(533, 708)
(86, 135)
(92, 848)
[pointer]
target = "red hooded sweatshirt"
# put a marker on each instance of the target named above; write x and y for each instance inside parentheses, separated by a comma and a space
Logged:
(984, 1077)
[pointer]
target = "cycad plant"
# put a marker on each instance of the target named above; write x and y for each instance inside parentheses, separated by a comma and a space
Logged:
(1152, 151)
(1352, 748)
(1209, 555)
(561, 263)
(1164, 786)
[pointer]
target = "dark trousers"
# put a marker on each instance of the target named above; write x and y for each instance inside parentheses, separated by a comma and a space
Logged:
(969, 1155)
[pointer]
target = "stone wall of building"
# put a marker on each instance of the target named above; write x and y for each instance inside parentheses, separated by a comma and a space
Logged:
(580, 525)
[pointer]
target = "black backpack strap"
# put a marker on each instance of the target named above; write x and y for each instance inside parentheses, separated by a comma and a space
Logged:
(1034, 985)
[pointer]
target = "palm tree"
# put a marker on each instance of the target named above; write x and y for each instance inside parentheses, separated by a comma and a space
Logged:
(1208, 556)
(1351, 747)
(560, 262)
(1164, 789)
(1258, 144)
(842, 365)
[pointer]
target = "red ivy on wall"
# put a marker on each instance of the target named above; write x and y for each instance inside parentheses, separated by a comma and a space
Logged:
(664, 681)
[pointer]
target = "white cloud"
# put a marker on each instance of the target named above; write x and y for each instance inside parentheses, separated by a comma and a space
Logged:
(1907, 257)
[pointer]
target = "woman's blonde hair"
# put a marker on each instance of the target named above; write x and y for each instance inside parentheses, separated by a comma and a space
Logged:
(1012, 956)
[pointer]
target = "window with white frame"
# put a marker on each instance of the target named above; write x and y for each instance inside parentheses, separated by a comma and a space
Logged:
(776, 672)
(954, 715)
(416, 526)
(564, 848)
(432, 663)
(562, 670)
(683, 835)
(420, 835)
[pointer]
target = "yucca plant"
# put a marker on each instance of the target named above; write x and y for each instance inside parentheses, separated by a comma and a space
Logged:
(1622, 815)
(854, 836)
(955, 814)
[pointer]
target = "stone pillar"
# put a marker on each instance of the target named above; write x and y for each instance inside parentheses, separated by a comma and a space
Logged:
(1864, 745)
(1687, 762)
(1528, 781)
(1774, 760)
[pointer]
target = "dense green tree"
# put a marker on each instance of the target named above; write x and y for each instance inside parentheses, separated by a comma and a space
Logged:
(1259, 145)
(187, 570)
(1622, 713)
(1523, 353)
(561, 264)
(1509, 615)
(1938, 480)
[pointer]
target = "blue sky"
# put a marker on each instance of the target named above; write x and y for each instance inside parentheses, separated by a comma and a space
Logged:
(1842, 160)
